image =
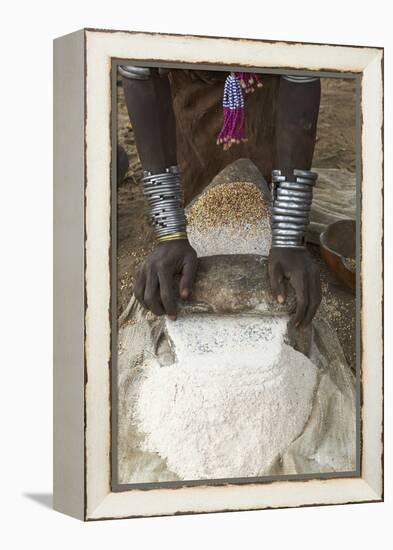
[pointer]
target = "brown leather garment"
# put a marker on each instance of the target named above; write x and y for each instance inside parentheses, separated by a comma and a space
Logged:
(197, 103)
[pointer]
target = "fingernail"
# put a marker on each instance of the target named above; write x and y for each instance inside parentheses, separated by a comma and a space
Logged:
(184, 293)
(280, 299)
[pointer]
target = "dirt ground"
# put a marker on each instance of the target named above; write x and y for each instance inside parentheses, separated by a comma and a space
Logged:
(335, 148)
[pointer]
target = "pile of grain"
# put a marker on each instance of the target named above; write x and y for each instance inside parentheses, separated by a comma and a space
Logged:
(230, 218)
(228, 204)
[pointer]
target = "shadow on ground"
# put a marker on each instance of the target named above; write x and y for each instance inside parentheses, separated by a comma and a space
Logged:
(45, 499)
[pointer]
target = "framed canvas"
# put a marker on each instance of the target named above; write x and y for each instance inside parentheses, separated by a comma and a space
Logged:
(156, 416)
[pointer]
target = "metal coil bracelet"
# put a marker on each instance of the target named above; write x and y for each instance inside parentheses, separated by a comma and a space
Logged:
(291, 207)
(165, 197)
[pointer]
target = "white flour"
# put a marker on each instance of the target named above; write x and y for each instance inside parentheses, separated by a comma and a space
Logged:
(233, 401)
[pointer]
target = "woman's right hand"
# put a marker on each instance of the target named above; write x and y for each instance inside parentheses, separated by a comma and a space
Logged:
(154, 281)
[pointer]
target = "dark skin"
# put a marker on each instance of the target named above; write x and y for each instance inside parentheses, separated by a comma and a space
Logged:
(297, 114)
(302, 273)
(154, 281)
(296, 128)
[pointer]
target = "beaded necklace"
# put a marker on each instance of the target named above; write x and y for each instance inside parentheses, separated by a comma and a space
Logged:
(234, 126)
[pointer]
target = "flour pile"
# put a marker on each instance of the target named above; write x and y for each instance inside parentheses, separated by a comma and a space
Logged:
(233, 400)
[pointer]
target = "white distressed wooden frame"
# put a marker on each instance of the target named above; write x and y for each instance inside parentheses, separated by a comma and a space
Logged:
(82, 472)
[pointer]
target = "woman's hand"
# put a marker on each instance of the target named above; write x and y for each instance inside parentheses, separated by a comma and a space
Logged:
(297, 266)
(154, 280)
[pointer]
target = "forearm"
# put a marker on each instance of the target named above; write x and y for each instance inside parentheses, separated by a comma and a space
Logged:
(292, 180)
(149, 104)
(296, 123)
(292, 190)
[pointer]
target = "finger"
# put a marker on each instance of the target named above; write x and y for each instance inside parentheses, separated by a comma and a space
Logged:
(139, 285)
(276, 276)
(188, 276)
(299, 283)
(167, 293)
(152, 294)
(315, 296)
